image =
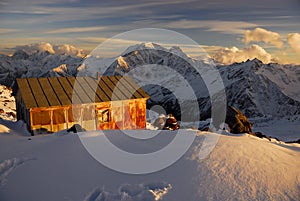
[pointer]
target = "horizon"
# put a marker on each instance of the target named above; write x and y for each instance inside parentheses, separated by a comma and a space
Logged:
(231, 31)
(32, 49)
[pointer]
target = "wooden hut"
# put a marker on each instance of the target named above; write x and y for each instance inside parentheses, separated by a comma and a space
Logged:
(52, 104)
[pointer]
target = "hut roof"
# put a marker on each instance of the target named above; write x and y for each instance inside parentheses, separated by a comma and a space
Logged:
(62, 91)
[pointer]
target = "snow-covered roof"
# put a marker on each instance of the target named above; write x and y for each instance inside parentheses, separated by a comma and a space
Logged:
(59, 91)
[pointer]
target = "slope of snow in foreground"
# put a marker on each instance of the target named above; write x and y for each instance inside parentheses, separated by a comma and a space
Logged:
(58, 167)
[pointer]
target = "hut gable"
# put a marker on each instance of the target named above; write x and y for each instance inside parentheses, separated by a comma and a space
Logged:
(56, 103)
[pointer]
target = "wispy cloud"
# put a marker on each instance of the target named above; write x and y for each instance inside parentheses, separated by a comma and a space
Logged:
(228, 27)
(77, 30)
(6, 31)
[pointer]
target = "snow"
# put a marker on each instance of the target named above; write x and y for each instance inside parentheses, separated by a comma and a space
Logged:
(240, 167)
(53, 49)
(7, 104)
(137, 192)
(286, 129)
(255, 88)
(58, 167)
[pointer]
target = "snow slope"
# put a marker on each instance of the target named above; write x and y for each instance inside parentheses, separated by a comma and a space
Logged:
(59, 168)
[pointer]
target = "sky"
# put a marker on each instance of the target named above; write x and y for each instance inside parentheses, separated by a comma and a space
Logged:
(231, 30)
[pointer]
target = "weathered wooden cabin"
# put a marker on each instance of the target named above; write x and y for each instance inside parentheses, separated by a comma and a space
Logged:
(52, 104)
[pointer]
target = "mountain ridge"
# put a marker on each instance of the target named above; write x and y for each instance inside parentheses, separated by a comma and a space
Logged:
(257, 89)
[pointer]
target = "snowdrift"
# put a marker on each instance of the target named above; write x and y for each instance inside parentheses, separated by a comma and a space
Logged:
(59, 168)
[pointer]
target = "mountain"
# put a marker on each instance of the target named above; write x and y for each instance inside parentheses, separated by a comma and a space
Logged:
(36, 64)
(170, 77)
(257, 89)
(262, 89)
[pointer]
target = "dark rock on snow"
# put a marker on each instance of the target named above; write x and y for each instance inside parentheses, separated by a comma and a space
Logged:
(164, 123)
(76, 128)
(296, 141)
(171, 123)
(237, 121)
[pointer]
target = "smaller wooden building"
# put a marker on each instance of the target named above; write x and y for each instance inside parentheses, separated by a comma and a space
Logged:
(52, 104)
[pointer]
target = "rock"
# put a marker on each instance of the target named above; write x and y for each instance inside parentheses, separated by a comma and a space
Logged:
(205, 129)
(1, 111)
(237, 121)
(76, 128)
(160, 122)
(163, 123)
(296, 141)
(260, 135)
(12, 114)
(171, 123)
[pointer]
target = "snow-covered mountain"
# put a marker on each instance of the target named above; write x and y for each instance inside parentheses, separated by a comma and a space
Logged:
(255, 88)
(38, 62)
(262, 89)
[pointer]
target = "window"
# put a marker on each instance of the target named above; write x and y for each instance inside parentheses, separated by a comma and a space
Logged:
(103, 115)
(41, 118)
(88, 112)
(59, 117)
(74, 114)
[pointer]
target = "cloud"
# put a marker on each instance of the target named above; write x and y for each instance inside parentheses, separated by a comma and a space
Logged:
(293, 40)
(69, 50)
(228, 27)
(263, 35)
(32, 48)
(53, 49)
(6, 31)
(234, 54)
(76, 30)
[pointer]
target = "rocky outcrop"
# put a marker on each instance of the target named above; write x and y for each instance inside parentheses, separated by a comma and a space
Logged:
(171, 123)
(237, 121)
(166, 123)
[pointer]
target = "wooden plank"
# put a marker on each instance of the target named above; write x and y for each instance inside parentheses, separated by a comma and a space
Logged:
(48, 91)
(37, 92)
(117, 94)
(103, 87)
(27, 96)
(68, 89)
(79, 90)
(101, 92)
(137, 87)
(134, 94)
(59, 91)
(89, 92)
(119, 85)
(94, 85)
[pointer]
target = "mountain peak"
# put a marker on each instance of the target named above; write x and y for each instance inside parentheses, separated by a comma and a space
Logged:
(64, 49)
(143, 46)
(178, 51)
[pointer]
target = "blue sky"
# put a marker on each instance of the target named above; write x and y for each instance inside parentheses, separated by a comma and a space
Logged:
(86, 24)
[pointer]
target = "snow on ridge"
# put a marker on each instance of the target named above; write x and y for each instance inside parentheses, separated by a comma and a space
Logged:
(144, 46)
(52, 49)
(132, 192)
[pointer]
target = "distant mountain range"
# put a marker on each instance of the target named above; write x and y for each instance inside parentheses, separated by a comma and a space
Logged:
(257, 89)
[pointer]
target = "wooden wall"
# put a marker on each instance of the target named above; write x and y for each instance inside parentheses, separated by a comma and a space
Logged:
(125, 114)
